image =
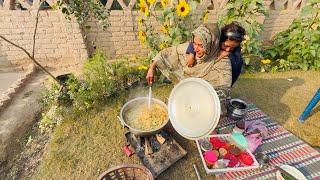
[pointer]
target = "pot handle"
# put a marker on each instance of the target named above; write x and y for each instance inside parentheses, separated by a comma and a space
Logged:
(121, 122)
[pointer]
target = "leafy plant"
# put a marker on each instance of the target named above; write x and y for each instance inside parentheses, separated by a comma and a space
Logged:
(48, 96)
(298, 47)
(265, 65)
(46, 123)
(246, 12)
(79, 94)
(106, 79)
(101, 80)
(83, 10)
(175, 21)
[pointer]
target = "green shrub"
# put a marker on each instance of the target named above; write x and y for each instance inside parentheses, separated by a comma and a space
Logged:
(49, 96)
(101, 79)
(46, 123)
(105, 79)
(298, 47)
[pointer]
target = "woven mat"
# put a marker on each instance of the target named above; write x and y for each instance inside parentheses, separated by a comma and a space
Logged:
(281, 146)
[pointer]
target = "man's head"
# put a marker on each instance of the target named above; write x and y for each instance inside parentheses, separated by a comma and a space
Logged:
(231, 36)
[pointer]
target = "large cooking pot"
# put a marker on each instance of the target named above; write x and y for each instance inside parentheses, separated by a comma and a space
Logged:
(129, 109)
(193, 109)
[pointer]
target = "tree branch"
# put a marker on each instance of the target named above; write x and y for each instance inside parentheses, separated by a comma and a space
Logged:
(31, 56)
(24, 50)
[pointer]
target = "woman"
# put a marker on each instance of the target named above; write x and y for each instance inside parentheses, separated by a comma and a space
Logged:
(211, 56)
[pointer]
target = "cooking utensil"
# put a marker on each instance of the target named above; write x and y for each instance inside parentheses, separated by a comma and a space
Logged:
(237, 109)
(129, 108)
(150, 94)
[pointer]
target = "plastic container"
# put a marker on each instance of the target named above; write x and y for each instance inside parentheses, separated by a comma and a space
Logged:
(210, 158)
(206, 145)
(239, 140)
(221, 169)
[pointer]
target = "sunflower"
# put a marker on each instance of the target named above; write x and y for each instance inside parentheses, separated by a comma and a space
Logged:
(164, 3)
(140, 21)
(163, 45)
(183, 8)
(266, 61)
(142, 36)
(142, 3)
(164, 28)
(205, 15)
(144, 8)
(151, 1)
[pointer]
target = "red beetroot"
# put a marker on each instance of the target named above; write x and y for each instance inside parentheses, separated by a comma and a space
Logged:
(233, 163)
(217, 143)
(233, 160)
(245, 158)
(230, 156)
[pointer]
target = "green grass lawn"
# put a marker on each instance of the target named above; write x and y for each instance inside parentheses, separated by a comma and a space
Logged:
(83, 148)
(285, 100)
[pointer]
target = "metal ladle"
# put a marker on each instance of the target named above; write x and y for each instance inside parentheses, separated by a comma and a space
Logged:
(150, 97)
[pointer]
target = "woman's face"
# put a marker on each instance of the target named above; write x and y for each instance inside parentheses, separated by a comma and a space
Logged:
(198, 47)
(229, 45)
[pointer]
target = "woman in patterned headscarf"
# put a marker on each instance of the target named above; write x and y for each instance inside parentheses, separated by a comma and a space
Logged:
(211, 56)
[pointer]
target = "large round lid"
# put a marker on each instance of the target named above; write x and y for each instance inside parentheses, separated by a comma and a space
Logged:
(194, 108)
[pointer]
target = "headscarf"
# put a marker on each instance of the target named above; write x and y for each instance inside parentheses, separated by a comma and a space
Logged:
(172, 61)
(209, 35)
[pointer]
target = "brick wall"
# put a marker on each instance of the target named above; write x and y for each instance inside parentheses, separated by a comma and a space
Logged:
(61, 43)
(58, 41)
(121, 38)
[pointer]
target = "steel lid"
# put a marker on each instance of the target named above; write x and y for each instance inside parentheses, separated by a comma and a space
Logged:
(194, 108)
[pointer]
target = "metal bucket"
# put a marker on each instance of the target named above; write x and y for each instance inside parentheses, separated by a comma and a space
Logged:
(128, 109)
(237, 109)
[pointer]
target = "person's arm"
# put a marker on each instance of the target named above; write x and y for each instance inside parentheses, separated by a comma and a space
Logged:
(150, 73)
(190, 55)
(167, 61)
(152, 68)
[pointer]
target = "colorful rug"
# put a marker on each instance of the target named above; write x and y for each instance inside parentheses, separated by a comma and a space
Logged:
(280, 146)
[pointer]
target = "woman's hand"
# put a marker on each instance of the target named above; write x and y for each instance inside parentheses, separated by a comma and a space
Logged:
(190, 60)
(150, 74)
